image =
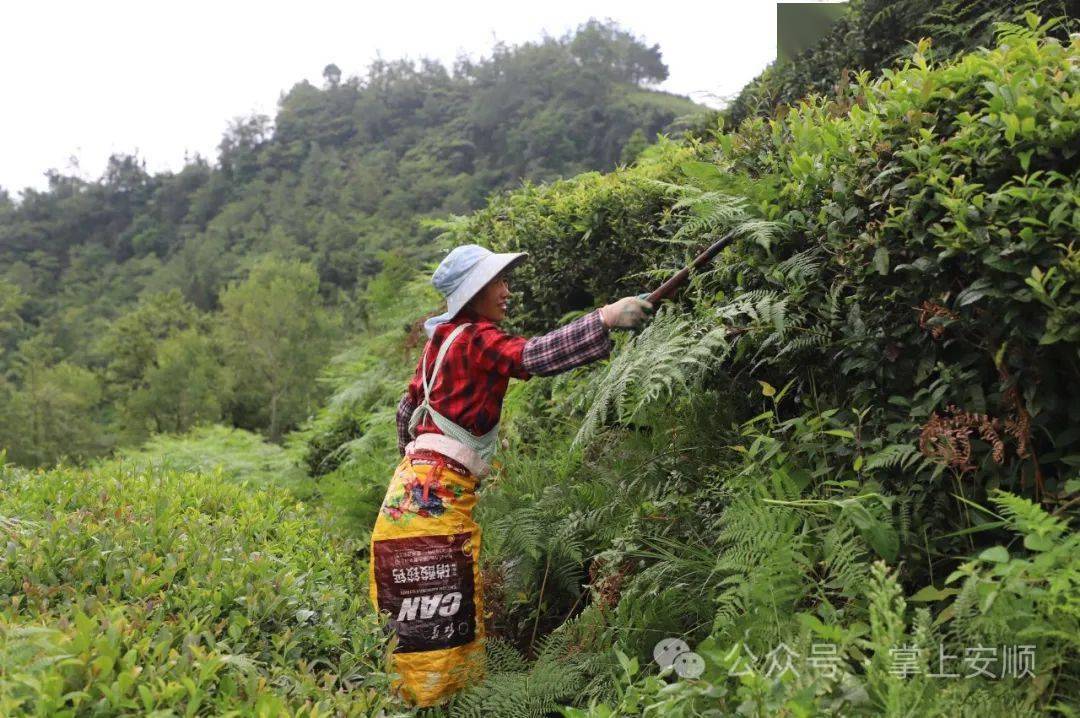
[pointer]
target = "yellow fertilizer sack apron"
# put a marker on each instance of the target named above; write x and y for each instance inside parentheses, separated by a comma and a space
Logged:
(425, 574)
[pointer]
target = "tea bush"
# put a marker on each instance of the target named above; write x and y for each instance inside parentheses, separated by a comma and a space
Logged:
(235, 454)
(875, 34)
(927, 252)
(155, 592)
(835, 432)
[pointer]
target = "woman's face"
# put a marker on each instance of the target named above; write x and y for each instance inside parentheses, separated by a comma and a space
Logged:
(490, 302)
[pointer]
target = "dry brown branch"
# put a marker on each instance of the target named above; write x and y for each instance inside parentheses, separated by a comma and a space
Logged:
(930, 310)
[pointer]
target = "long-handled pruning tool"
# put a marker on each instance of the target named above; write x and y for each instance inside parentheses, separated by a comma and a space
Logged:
(668, 288)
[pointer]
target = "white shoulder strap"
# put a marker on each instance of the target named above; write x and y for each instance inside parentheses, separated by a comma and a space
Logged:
(425, 404)
(428, 386)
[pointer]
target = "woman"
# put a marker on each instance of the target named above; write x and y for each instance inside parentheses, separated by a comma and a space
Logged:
(425, 547)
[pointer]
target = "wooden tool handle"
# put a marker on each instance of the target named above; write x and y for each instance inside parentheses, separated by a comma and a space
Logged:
(667, 289)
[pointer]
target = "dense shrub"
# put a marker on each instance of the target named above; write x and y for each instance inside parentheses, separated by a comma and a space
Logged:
(928, 254)
(840, 426)
(585, 235)
(875, 34)
(157, 592)
(922, 246)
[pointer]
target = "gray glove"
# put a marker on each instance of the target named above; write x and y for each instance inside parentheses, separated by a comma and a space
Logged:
(627, 313)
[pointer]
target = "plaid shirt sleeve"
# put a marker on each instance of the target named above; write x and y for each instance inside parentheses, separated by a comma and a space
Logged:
(495, 351)
(404, 413)
(581, 341)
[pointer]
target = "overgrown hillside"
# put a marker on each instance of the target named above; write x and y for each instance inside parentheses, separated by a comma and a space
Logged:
(850, 448)
(134, 304)
(843, 467)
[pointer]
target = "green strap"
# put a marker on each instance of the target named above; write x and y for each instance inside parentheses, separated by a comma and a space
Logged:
(484, 445)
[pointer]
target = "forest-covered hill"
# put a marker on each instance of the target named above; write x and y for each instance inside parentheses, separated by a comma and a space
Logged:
(114, 300)
(843, 466)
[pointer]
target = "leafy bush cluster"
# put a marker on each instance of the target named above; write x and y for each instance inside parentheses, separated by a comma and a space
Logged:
(165, 593)
(919, 239)
(875, 34)
(857, 429)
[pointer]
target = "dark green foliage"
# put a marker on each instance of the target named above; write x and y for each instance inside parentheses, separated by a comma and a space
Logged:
(926, 250)
(276, 336)
(590, 232)
(163, 373)
(896, 348)
(942, 214)
(50, 409)
(877, 33)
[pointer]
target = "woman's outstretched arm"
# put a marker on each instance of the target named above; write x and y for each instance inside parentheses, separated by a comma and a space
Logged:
(581, 341)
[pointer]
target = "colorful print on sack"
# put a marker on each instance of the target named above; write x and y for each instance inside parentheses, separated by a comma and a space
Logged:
(426, 585)
(416, 498)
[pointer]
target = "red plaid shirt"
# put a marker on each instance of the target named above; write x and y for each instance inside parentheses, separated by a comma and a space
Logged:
(478, 365)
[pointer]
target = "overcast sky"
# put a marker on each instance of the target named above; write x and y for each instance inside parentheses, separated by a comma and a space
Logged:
(163, 79)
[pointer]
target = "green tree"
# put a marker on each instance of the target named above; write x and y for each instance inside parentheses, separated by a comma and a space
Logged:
(332, 74)
(239, 148)
(186, 385)
(606, 46)
(277, 335)
(633, 148)
(51, 413)
(11, 301)
(132, 342)
(165, 373)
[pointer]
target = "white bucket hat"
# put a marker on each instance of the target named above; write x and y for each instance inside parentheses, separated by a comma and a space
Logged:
(463, 273)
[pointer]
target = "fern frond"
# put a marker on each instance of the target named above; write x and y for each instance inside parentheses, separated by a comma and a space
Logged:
(711, 213)
(668, 357)
(799, 268)
(1027, 517)
(893, 455)
(513, 687)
